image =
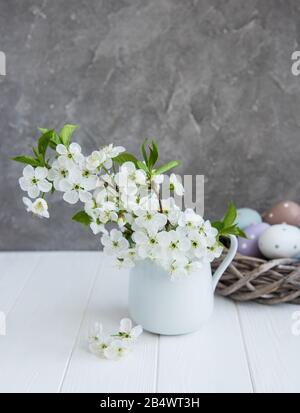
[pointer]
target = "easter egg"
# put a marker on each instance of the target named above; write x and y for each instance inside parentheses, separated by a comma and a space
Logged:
(250, 246)
(247, 217)
(286, 212)
(280, 241)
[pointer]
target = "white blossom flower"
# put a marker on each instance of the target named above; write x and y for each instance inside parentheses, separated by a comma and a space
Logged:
(106, 181)
(125, 218)
(173, 243)
(114, 243)
(96, 339)
(89, 179)
(129, 175)
(156, 181)
(117, 345)
(59, 170)
(100, 216)
(148, 201)
(112, 151)
(34, 181)
(127, 332)
(74, 191)
(170, 210)
(176, 185)
(121, 221)
(147, 243)
(198, 243)
(209, 232)
(107, 212)
(39, 207)
(95, 161)
(190, 219)
(72, 154)
(149, 219)
(75, 187)
(104, 156)
(97, 226)
(100, 196)
(91, 207)
(176, 267)
(192, 267)
(129, 202)
(126, 259)
(117, 349)
(213, 252)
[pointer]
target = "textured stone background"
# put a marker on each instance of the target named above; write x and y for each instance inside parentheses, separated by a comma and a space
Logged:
(210, 79)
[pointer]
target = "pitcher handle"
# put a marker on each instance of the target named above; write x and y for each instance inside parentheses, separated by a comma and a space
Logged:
(227, 260)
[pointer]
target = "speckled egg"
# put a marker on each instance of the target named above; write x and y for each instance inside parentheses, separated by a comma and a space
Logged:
(286, 212)
(280, 241)
(247, 217)
(250, 246)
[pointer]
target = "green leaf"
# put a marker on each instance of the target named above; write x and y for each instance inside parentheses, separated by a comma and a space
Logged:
(241, 233)
(142, 166)
(166, 167)
(52, 145)
(155, 147)
(66, 133)
(43, 130)
(125, 157)
(35, 151)
(230, 215)
(82, 217)
(26, 159)
(144, 152)
(44, 141)
(228, 226)
(153, 155)
(218, 225)
(41, 160)
(233, 230)
(55, 140)
(228, 230)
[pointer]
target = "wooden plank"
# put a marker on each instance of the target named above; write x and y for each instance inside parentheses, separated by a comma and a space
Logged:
(43, 325)
(210, 360)
(273, 350)
(15, 271)
(86, 372)
(46, 296)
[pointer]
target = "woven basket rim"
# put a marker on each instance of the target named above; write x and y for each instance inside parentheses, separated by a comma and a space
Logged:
(261, 280)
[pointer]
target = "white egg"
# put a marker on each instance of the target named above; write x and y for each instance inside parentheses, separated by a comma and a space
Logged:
(280, 241)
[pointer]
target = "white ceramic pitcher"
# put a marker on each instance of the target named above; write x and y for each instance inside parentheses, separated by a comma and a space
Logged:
(169, 307)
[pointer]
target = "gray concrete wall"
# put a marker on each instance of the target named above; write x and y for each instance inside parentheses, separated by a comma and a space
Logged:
(210, 79)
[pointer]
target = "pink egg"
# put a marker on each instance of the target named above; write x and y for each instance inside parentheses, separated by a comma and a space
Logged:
(250, 246)
(286, 212)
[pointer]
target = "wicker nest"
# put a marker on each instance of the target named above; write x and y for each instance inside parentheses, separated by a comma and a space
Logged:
(254, 279)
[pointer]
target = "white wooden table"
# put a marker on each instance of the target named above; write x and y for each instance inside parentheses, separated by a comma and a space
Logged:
(51, 299)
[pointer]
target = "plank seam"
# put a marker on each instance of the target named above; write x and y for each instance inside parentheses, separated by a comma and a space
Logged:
(93, 283)
(250, 371)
